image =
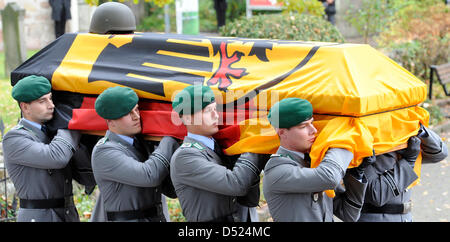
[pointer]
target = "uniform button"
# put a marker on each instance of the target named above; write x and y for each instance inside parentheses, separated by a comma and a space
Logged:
(67, 180)
(234, 200)
(67, 211)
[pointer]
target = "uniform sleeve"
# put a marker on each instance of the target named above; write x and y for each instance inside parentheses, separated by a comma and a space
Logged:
(192, 168)
(347, 205)
(112, 163)
(289, 178)
(433, 149)
(391, 183)
(20, 148)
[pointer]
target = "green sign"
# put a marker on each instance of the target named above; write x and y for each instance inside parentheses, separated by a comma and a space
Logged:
(187, 16)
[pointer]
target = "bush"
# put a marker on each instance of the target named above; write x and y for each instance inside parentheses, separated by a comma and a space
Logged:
(282, 26)
(418, 36)
(436, 115)
(312, 7)
(370, 18)
(155, 21)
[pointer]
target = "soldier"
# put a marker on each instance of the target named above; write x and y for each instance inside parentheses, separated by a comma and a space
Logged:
(114, 18)
(206, 188)
(129, 180)
(294, 192)
(37, 164)
(387, 197)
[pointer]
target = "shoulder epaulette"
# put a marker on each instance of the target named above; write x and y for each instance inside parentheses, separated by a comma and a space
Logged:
(198, 146)
(101, 141)
(195, 145)
(184, 145)
(19, 126)
(282, 155)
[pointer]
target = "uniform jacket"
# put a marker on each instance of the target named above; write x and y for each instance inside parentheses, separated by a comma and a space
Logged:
(206, 189)
(294, 192)
(58, 6)
(389, 177)
(129, 179)
(38, 168)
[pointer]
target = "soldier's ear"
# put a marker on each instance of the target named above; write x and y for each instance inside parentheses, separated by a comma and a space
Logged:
(281, 132)
(110, 123)
(24, 107)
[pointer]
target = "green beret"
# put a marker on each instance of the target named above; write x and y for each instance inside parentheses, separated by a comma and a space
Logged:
(31, 88)
(116, 102)
(290, 112)
(193, 99)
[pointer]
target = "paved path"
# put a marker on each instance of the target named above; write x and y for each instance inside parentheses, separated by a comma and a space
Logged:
(431, 197)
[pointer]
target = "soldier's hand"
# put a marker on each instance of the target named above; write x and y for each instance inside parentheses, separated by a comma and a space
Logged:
(430, 142)
(358, 172)
(412, 151)
(367, 161)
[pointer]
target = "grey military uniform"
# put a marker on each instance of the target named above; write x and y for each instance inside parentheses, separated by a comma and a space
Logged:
(38, 169)
(128, 179)
(294, 192)
(206, 189)
(389, 177)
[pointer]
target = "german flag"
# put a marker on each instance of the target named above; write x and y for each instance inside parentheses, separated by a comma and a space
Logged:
(362, 100)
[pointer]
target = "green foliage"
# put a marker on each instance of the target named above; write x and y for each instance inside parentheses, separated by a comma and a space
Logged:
(418, 35)
(155, 21)
(83, 202)
(313, 7)
(9, 109)
(6, 209)
(207, 16)
(235, 9)
(175, 212)
(283, 26)
(370, 18)
(436, 114)
(160, 3)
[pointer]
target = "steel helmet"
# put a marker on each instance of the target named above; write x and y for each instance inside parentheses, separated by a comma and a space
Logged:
(112, 17)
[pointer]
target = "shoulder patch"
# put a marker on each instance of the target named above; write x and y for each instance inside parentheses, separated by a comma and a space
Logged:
(19, 126)
(101, 141)
(281, 155)
(198, 146)
(186, 145)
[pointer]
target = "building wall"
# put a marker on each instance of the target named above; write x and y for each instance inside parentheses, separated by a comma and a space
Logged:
(39, 26)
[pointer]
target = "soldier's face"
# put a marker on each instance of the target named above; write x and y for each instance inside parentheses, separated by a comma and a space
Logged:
(39, 110)
(203, 123)
(128, 125)
(300, 137)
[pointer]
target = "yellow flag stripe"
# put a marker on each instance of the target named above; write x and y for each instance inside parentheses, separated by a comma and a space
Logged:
(146, 77)
(181, 55)
(178, 69)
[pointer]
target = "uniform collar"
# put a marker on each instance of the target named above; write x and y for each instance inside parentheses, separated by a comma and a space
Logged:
(34, 124)
(116, 137)
(294, 155)
(128, 139)
(291, 152)
(209, 142)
